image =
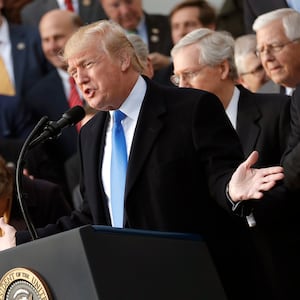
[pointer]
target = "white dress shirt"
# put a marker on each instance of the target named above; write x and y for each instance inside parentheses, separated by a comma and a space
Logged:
(62, 5)
(232, 108)
(131, 108)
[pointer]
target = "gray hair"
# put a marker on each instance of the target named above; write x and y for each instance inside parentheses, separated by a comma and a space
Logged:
(243, 46)
(110, 38)
(141, 49)
(214, 47)
(289, 17)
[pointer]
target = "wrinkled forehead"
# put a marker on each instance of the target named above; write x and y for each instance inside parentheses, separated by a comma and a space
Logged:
(80, 44)
(272, 31)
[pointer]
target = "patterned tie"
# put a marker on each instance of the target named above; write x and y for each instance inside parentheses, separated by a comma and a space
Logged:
(69, 5)
(118, 169)
(6, 86)
(74, 98)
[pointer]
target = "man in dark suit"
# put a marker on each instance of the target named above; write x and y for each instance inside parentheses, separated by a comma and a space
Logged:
(278, 47)
(89, 11)
(152, 28)
(254, 8)
(262, 123)
(25, 64)
(183, 155)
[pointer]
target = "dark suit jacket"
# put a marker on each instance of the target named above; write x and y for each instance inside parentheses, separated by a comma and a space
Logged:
(15, 119)
(159, 36)
(183, 154)
(32, 12)
(263, 124)
(30, 65)
(44, 200)
(254, 8)
(291, 162)
(29, 61)
(159, 33)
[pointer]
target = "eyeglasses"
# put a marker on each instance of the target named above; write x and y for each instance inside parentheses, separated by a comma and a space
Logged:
(257, 70)
(273, 48)
(186, 76)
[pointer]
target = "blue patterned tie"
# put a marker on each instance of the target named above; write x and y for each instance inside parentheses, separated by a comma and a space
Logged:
(118, 169)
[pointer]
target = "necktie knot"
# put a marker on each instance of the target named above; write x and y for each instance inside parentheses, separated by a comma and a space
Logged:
(118, 117)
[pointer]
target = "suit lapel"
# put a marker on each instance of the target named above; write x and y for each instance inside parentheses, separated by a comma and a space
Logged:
(93, 156)
(248, 127)
(148, 127)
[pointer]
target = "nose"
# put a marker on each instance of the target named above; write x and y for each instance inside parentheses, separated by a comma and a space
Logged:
(124, 8)
(183, 82)
(81, 76)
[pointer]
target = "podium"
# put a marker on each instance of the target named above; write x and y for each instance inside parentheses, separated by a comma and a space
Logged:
(105, 263)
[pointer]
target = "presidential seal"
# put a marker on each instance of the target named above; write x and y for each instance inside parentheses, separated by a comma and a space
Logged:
(23, 284)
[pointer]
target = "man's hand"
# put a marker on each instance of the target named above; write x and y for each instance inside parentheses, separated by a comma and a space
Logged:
(159, 60)
(248, 183)
(7, 235)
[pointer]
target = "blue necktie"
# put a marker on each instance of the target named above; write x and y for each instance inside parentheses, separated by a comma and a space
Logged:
(118, 169)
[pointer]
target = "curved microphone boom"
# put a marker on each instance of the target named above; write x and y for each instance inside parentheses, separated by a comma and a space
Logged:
(53, 129)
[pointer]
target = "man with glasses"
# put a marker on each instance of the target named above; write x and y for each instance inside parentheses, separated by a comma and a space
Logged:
(204, 59)
(278, 45)
(251, 73)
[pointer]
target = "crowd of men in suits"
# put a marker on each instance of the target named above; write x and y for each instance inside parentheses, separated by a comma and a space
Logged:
(200, 57)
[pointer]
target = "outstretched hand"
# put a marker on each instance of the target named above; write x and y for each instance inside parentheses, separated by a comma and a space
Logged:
(249, 183)
(7, 235)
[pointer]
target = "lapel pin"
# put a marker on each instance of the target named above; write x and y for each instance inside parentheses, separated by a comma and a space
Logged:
(154, 38)
(21, 46)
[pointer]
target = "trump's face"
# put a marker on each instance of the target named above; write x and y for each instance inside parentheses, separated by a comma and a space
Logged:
(99, 77)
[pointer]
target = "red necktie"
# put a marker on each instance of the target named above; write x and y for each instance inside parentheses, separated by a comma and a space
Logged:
(69, 5)
(74, 98)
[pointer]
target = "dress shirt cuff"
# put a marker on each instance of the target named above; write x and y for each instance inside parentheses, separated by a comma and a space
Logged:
(239, 208)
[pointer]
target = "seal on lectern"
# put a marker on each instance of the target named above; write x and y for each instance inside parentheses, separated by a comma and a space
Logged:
(23, 284)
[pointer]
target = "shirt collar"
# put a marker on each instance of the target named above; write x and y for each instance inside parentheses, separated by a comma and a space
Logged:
(4, 32)
(132, 105)
(232, 107)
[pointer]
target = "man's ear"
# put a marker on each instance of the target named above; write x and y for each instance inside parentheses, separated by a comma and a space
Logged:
(224, 69)
(125, 60)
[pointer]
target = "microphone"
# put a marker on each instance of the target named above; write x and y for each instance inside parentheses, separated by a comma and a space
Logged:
(53, 129)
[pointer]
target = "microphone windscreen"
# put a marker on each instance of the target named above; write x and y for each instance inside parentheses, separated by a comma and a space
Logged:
(74, 114)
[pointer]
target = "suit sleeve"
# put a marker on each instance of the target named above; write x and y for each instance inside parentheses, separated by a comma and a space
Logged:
(291, 158)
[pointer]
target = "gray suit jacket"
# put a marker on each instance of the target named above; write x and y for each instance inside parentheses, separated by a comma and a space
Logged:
(89, 11)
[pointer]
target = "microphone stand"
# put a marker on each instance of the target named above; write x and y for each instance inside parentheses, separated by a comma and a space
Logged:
(19, 175)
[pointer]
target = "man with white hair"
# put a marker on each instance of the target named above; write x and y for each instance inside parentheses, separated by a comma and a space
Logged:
(204, 59)
(251, 73)
(278, 45)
